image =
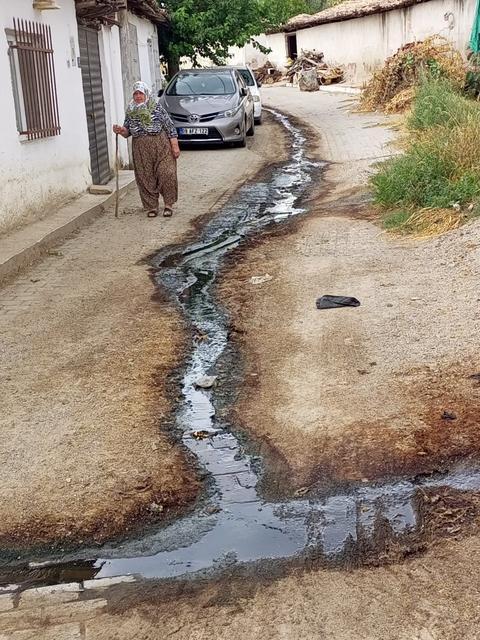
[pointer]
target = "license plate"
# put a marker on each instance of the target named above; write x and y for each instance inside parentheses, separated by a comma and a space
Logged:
(193, 131)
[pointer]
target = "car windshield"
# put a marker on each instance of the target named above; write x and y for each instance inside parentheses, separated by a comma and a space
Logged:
(248, 77)
(202, 84)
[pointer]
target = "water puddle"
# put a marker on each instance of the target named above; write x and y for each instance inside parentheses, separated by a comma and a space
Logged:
(236, 525)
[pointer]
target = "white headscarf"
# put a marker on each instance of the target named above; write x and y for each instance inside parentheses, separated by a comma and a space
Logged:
(145, 89)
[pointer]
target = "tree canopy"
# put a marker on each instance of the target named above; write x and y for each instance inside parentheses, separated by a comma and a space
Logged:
(207, 28)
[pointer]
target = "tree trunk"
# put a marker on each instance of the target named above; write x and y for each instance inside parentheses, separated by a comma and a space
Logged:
(165, 37)
(173, 63)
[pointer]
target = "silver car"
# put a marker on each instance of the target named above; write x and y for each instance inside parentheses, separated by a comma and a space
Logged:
(210, 106)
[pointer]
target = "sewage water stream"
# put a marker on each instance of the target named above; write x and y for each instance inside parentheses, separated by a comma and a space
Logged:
(237, 525)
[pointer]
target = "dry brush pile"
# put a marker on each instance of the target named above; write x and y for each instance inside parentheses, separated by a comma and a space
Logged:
(268, 74)
(310, 71)
(392, 88)
(313, 62)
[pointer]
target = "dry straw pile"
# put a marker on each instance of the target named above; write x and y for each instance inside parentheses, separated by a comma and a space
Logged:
(430, 222)
(392, 88)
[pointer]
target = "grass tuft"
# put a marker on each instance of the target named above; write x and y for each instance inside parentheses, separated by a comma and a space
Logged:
(439, 173)
(437, 103)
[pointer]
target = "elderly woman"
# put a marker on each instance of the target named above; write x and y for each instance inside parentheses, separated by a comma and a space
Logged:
(155, 150)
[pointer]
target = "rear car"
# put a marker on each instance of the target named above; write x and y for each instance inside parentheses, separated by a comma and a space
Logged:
(210, 106)
(254, 86)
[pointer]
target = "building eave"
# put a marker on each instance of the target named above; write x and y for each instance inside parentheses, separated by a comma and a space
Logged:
(97, 12)
(346, 11)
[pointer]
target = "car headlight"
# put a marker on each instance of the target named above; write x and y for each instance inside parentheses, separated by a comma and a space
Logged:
(256, 98)
(230, 113)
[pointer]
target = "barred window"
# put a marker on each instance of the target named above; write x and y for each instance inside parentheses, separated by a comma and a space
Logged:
(33, 79)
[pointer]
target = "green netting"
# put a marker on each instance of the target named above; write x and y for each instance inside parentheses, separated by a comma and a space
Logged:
(475, 37)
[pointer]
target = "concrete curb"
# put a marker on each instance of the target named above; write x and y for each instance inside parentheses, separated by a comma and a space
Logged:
(26, 246)
(325, 88)
(338, 88)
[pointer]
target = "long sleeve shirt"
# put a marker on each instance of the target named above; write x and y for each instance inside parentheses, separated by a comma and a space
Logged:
(160, 121)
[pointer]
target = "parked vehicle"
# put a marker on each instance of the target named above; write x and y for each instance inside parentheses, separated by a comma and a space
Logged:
(254, 85)
(210, 106)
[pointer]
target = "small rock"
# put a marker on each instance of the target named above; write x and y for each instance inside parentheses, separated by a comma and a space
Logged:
(449, 415)
(212, 509)
(100, 190)
(202, 435)
(207, 382)
(261, 279)
(301, 492)
(389, 304)
(156, 508)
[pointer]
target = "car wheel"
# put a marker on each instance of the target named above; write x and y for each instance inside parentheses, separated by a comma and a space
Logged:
(251, 130)
(243, 141)
(258, 121)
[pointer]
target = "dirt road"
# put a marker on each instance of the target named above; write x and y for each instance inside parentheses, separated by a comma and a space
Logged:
(87, 351)
(331, 398)
(355, 394)
(433, 597)
(350, 394)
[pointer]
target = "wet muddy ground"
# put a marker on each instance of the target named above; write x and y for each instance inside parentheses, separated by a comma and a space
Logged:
(392, 556)
(85, 449)
(371, 515)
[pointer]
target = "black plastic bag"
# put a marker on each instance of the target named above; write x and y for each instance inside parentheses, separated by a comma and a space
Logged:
(335, 302)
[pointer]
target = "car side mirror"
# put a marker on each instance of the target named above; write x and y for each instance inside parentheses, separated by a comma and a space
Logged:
(259, 84)
(244, 91)
(160, 93)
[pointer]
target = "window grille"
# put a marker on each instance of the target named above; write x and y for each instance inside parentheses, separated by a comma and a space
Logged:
(33, 80)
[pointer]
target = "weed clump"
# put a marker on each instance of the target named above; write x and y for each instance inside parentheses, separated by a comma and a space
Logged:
(438, 103)
(435, 185)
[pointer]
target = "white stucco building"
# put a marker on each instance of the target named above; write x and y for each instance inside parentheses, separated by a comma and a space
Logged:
(66, 66)
(361, 34)
(40, 172)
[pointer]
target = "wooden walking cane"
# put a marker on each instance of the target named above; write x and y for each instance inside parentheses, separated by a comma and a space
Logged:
(117, 195)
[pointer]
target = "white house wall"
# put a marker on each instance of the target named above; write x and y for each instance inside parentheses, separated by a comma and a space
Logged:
(39, 173)
(237, 56)
(109, 42)
(278, 54)
(249, 54)
(145, 31)
(363, 44)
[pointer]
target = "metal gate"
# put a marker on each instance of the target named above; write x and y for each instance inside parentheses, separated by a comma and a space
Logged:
(94, 104)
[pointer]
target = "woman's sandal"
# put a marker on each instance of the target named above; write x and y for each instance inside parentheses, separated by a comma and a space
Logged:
(152, 214)
(167, 212)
